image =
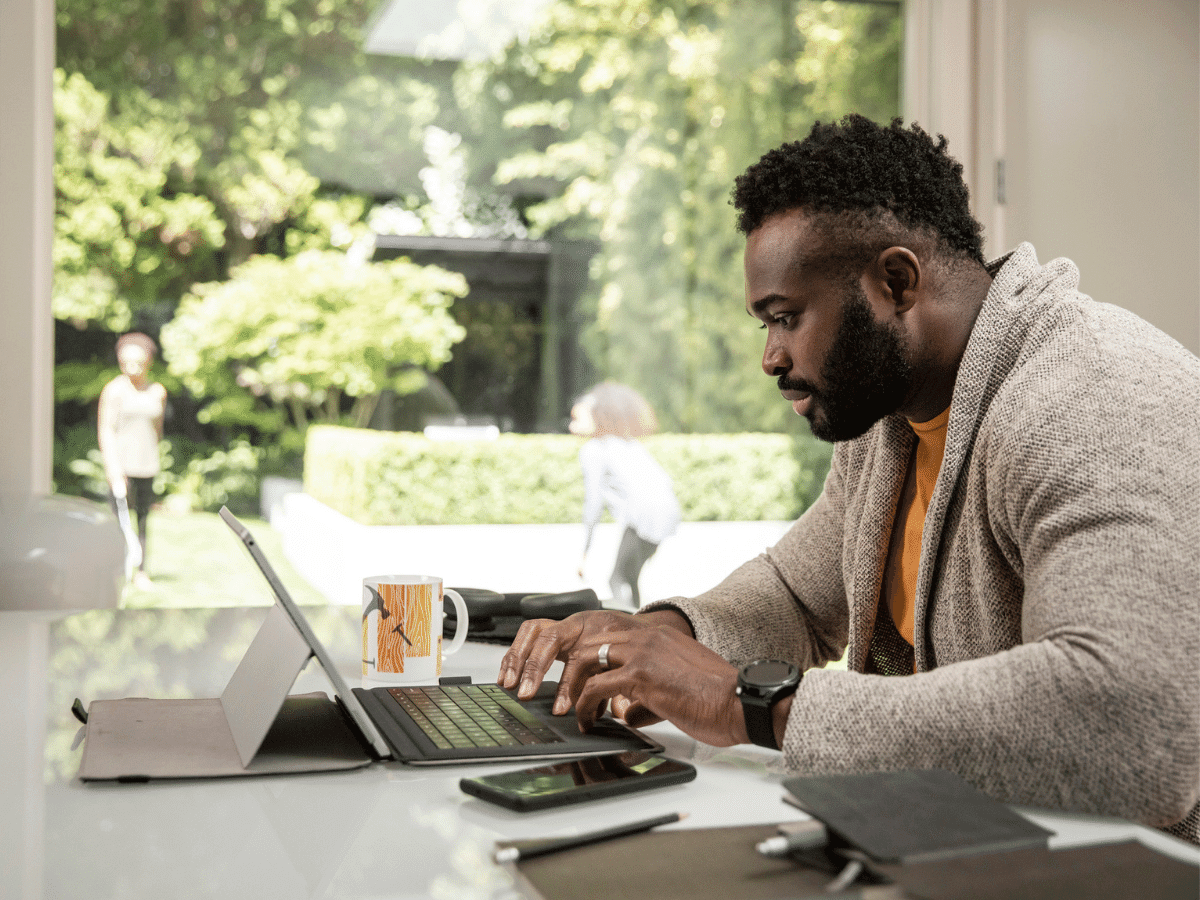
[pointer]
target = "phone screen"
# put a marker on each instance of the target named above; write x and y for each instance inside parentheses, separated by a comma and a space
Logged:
(579, 779)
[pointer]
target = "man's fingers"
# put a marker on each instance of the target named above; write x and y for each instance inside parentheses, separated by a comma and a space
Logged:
(539, 642)
(621, 706)
(581, 664)
(633, 713)
(657, 672)
(593, 699)
(543, 651)
(566, 685)
(639, 717)
(514, 659)
(528, 653)
(591, 695)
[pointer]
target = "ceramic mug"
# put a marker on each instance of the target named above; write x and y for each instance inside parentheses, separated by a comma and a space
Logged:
(402, 629)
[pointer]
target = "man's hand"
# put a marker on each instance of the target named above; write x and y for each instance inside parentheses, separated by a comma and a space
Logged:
(656, 670)
(660, 673)
(539, 642)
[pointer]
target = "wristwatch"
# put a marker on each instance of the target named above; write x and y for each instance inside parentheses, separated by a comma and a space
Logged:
(762, 684)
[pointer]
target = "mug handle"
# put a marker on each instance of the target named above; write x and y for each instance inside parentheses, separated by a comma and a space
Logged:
(460, 631)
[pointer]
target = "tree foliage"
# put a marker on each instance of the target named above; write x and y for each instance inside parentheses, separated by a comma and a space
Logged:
(191, 135)
(641, 113)
(205, 114)
(279, 344)
(129, 228)
(227, 144)
(232, 75)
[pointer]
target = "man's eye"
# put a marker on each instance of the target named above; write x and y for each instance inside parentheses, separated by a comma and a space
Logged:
(783, 319)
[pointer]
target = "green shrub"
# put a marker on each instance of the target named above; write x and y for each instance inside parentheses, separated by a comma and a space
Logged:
(741, 477)
(78, 470)
(401, 478)
(225, 477)
(194, 477)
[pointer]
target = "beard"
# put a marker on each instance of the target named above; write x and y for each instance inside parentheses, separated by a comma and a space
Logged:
(866, 375)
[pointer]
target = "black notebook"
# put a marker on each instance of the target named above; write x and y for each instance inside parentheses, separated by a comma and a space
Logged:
(915, 815)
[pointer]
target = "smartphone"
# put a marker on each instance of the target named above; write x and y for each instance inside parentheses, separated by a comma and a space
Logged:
(578, 780)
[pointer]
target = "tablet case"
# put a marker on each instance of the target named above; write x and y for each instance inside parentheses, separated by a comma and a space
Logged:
(138, 739)
(913, 815)
(253, 728)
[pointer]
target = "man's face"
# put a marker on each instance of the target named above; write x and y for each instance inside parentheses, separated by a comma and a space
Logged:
(842, 368)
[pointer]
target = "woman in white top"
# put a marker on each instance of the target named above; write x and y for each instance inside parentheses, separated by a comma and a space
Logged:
(130, 423)
(618, 472)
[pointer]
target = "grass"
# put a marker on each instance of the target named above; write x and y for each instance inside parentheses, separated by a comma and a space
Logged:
(193, 559)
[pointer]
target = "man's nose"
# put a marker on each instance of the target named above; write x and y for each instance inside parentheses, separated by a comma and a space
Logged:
(776, 361)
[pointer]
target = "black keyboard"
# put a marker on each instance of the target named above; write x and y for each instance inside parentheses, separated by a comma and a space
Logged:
(472, 715)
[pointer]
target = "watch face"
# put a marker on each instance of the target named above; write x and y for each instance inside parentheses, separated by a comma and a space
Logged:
(769, 672)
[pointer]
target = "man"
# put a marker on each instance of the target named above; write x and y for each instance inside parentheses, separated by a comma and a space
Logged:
(1007, 543)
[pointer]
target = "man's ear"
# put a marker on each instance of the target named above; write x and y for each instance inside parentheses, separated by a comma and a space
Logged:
(900, 276)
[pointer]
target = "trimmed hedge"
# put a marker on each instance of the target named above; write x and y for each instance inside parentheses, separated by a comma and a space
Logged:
(403, 478)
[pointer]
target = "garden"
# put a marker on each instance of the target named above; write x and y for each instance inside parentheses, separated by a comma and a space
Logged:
(223, 173)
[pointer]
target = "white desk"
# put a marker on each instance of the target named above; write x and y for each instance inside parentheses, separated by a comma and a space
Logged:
(388, 831)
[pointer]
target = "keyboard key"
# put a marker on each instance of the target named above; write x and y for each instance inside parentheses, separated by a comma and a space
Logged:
(459, 716)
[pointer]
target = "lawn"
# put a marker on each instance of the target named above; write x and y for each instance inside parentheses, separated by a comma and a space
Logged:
(193, 559)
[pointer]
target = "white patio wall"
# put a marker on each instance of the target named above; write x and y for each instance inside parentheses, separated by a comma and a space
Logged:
(333, 553)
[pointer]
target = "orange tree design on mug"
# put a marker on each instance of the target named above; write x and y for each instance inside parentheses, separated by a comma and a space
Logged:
(404, 627)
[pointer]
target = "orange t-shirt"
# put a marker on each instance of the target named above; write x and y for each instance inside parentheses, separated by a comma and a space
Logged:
(904, 554)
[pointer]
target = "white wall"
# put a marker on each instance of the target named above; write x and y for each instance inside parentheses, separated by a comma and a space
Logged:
(334, 553)
(1093, 109)
(1103, 135)
(26, 232)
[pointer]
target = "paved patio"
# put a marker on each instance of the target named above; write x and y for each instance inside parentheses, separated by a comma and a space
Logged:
(333, 553)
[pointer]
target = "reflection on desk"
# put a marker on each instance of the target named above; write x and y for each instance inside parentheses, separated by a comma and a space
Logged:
(386, 831)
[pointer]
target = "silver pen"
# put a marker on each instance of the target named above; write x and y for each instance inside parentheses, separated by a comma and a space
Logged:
(554, 845)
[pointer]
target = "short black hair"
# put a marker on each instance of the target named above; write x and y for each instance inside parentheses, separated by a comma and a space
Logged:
(858, 167)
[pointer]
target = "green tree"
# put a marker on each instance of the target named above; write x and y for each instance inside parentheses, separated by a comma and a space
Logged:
(129, 227)
(233, 76)
(211, 131)
(185, 130)
(186, 134)
(283, 341)
(640, 113)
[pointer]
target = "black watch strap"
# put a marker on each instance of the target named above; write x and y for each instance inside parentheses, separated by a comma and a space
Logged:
(762, 684)
(760, 722)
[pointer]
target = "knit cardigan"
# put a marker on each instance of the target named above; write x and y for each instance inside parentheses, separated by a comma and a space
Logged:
(1057, 637)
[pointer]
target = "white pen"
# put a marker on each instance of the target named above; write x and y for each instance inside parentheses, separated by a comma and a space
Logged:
(794, 836)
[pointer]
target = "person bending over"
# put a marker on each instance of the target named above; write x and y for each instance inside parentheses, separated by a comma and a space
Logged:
(619, 473)
(1005, 548)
